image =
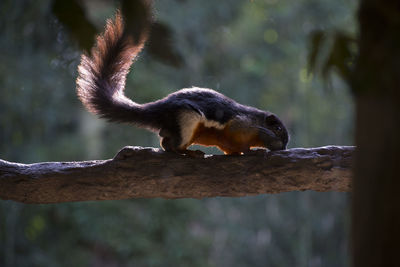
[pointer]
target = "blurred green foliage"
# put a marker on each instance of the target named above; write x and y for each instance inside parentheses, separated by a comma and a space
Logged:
(253, 51)
(340, 56)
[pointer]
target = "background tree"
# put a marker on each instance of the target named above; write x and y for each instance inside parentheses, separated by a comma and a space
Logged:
(376, 198)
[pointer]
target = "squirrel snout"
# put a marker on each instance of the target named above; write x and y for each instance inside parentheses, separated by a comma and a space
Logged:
(276, 145)
(270, 140)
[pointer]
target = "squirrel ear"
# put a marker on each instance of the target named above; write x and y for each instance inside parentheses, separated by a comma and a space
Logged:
(271, 119)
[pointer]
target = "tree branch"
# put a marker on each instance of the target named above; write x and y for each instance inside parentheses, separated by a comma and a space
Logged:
(137, 172)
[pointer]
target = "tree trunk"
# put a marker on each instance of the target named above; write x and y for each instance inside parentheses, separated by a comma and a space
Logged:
(376, 191)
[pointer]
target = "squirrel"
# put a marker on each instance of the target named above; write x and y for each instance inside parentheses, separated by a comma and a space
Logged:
(188, 116)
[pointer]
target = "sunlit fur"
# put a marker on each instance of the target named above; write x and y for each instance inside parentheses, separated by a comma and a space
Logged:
(194, 115)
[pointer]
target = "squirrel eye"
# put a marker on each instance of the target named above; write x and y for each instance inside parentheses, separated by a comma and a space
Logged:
(278, 128)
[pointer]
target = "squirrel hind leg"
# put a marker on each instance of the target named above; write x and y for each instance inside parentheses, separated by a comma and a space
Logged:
(176, 135)
(171, 141)
(172, 144)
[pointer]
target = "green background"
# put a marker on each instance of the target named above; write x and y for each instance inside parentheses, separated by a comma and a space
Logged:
(252, 51)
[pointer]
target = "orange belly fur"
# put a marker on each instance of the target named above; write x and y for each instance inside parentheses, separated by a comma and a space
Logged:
(229, 140)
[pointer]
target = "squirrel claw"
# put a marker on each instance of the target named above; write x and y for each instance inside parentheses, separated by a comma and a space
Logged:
(194, 153)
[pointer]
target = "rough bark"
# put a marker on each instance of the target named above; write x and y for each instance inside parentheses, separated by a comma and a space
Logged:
(146, 172)
(376, 196)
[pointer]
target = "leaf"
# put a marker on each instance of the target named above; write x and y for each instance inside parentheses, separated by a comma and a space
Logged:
(160, 45)
(340, 54)
(138, 19)
(340, 57)
(317, 38)
(72, 15)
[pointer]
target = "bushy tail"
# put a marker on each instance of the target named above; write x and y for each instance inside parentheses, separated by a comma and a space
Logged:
(102, 75)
